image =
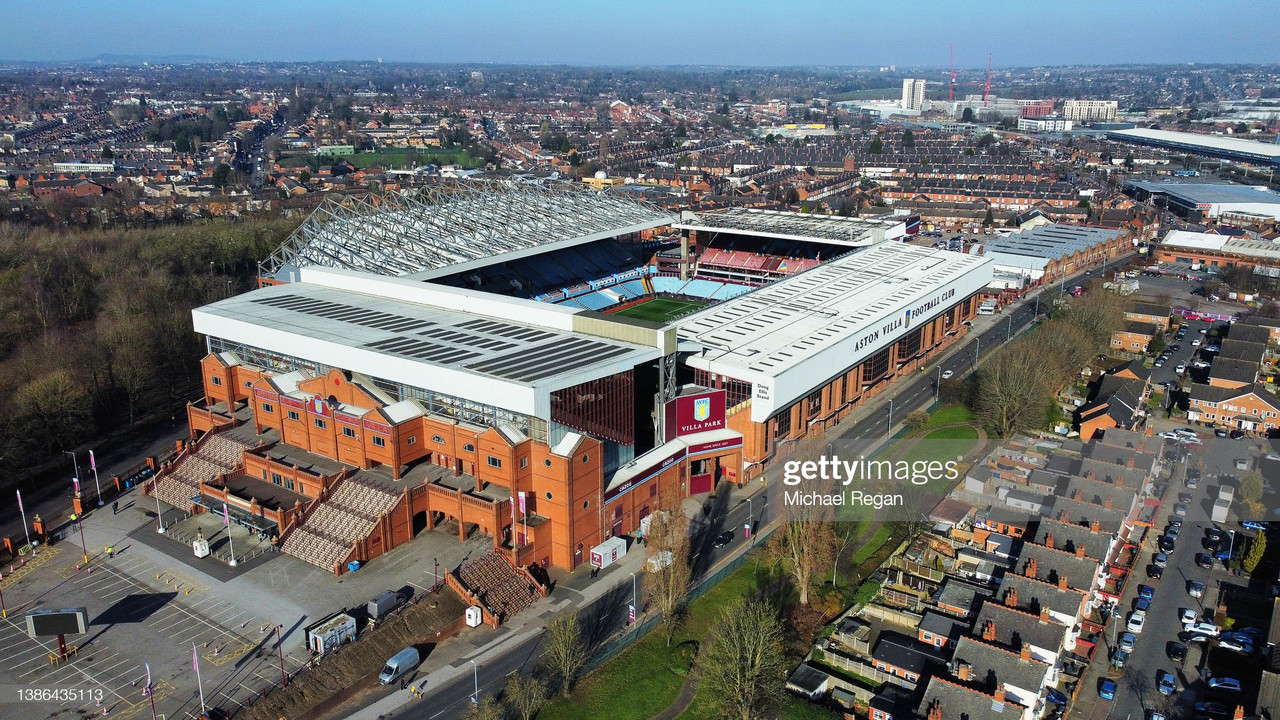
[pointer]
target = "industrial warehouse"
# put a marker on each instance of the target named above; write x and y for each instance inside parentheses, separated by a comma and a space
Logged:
(543, 366)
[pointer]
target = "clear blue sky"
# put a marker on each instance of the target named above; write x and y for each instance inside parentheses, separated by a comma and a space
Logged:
(656, 32)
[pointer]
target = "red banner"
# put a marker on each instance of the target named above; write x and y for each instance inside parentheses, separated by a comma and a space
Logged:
(716, 445)
(348, 419)
(265, 394)
(700, 412)
(377, 427)
(294, 403)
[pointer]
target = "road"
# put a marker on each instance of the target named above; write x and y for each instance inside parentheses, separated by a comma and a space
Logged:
(607, 615)
(610, 611)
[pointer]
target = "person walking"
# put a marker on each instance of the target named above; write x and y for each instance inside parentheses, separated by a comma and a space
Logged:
(115, 507)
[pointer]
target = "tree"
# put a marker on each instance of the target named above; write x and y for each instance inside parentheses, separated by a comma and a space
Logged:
(967, 115)
(1251, 489)
(566, 650)
(526, 694)
(876, 147)
(908, 139)
(304, 177)
(1012, 390)
(486, 709)
(222, 175)
(669, 574)
(1157, 344)
(803, 544)
(1253, 556)
(989, 219)
(917, 419)
(744, 667)
(107, 152)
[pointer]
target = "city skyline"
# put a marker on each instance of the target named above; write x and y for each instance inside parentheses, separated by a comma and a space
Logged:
(755, 33)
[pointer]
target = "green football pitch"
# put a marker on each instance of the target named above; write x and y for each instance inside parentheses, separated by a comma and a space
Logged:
(660, 309)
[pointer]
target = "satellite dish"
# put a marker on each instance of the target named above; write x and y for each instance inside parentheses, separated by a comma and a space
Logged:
(601, 175)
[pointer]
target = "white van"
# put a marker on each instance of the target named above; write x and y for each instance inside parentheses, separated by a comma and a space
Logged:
(399, 664)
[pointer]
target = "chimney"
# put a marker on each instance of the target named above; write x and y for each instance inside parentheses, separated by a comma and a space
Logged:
(1080, 550)
(1078, 494)
(1011, 597)
(935, 710)
(999, 696)
(1031, 568)
(1106, 502)
(1094, 526)
(1093, 474)
(1120, 481)
(964, 671)
(1044, 614)
(989, 631)
(1128, 461)
(1062, 582)
(1048, 540)
(1025, 653)
(1239, 713)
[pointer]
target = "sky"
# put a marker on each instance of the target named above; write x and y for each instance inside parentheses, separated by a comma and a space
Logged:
(652, 32)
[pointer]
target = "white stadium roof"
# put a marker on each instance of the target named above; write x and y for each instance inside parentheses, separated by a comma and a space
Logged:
(832, 229)
(1248, 149)
(507, 352)
(794, 335)
(455, 227)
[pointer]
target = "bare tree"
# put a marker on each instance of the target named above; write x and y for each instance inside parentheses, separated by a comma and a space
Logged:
(566, 649)
(804, 544)
(669, 575)
(1012, 392)
(744, 666)
(487, 709)
(526, 695)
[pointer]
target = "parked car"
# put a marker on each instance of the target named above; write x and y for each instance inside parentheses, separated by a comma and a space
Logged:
(1186, 432)
(1237, 434)
(1181, 368)
(1180, 509)
(1195, 589)
(1225, 684)
(1196, 343)
(1166, 544)
(1166, 683)
(1213, 708)
(1146, 591)
(1169, 435)
(1236, 645)
(1220, 432)
(1202, 628)
(1175, 527)
(1188, 616)
(1107, 689)
(1155, 572)
(723, 539)
(1177, 652)
(1127, 640)
(1204, 560)
(1160, 560)
(1214, 533)
(1136, 621)
(1253, 525)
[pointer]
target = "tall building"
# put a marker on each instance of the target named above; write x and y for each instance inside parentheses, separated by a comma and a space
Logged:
(913, 94)
(1089, 110)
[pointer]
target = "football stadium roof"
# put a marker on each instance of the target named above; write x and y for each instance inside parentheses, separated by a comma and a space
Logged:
(454, 227)
(791, 336)
(833, 229)
(1215, 145)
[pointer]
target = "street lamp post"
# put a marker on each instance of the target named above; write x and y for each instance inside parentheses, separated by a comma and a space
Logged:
(155, 490)
(889, 429)
(937, 387)
(1009, 333)
(635, 609)
(74, 462)
(475, 670)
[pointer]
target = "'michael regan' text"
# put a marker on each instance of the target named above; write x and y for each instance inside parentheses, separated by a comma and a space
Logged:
(853, 497)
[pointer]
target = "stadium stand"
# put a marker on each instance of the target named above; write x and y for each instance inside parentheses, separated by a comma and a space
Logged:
(214, 454)
(349, 514)
(492, 579)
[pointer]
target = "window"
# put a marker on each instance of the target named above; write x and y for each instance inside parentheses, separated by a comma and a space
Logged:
(348, 432)
(493, 461)
(277, 479)
(586, 504)
(437, 439)
(548, 494)
(468, 448)
(215, 380)
(413, 440)
(524, 463)
(248, 384)
(288, 483)
(293, 415)
(268, 408)
(547, 462)
(653, 490)
(379, 442)
(585, 458)
(321, 423)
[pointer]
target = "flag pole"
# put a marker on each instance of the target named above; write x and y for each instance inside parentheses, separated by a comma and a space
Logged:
(195, 662)
(226, 520)
(149, 692)
(25, 529)
(93, 464)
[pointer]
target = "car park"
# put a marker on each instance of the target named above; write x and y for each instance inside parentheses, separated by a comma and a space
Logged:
(1166, 683)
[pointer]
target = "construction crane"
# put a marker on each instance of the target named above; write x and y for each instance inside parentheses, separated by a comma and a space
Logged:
(986, 87)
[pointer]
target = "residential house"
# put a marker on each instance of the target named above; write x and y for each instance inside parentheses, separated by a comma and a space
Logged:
(989, 668)
(1052, 565)
(1247, 408)
(1149, 313)
(1080, 540)
(1134, 336)
(1117, 402)
(959, 597)
(1242, 350)
(1055, 602)
(1271, 325)
(1233, 374)
(947, 700)
(808, 682)
(1015, 629)
(905, 658)
(940, 630)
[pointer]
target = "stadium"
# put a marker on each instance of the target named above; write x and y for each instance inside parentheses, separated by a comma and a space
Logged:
(544, 365)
